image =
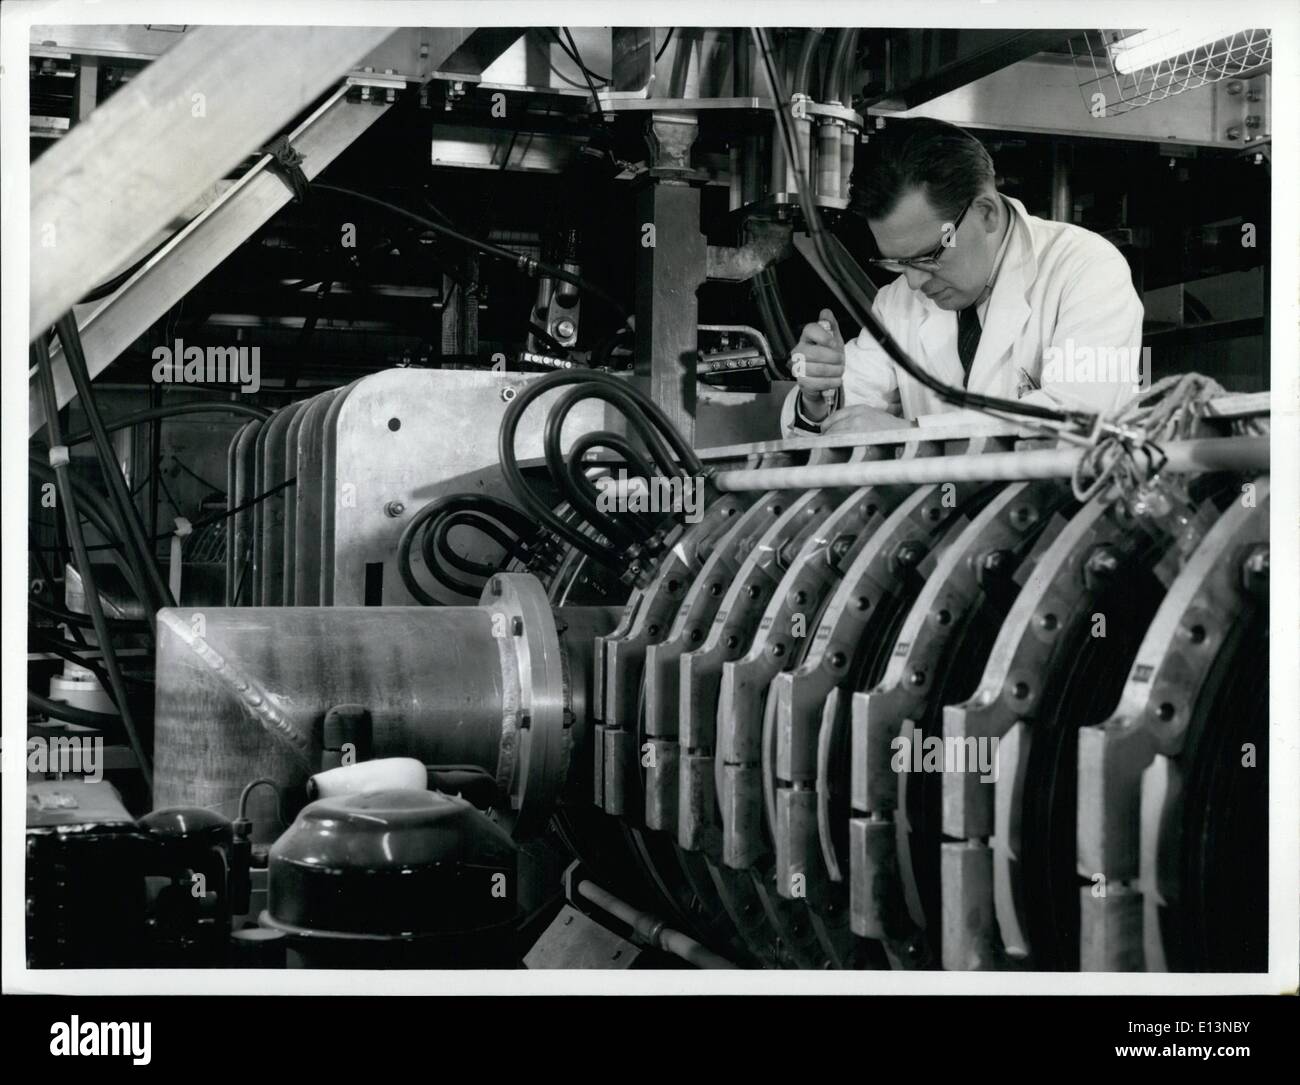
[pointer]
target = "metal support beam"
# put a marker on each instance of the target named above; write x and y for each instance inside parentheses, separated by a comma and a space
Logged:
(1244, 454)
(222, 227)
(925, 64)
(202, 244)
(186, 121)
(1042, 94)
(672, 261)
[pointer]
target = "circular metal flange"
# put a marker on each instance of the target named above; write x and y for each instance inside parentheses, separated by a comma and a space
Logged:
(535, 740)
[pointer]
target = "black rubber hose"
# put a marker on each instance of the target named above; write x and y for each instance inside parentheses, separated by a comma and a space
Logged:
(117, 683)
(63, 650)
(778, 311)
(171, 411)
(93, 508)
(72, 618)
(437, 536)
(119, 493)
(604, 354)
(434, 562)
(763, 302)
(504, 513)
(632, 458)
(521, 261)
(688, 460)
(520, 487)
(605, 523)
(772, 312)
(57, 710)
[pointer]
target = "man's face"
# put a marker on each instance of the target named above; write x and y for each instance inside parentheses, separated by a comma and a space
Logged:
(914, 229)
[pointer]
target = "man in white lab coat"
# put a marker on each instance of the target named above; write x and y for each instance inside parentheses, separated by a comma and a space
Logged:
(988, 297)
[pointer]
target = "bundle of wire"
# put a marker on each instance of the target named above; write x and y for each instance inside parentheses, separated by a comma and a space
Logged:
(618, 537)
(1169, 410)
(70, 505)
(111, 511)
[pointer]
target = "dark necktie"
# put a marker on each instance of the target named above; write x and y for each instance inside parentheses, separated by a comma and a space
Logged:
(968, 337)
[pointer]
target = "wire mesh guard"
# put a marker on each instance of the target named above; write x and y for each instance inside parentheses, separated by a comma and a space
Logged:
(1123, 70)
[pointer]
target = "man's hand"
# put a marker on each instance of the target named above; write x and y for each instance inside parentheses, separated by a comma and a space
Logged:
(859, 418)
(818, 364)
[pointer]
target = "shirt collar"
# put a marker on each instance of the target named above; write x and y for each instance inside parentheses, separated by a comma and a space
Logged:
(1005, 244)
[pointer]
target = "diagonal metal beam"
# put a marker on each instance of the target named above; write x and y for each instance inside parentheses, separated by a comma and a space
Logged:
(187, 120)
(204, 242)
(249, 203)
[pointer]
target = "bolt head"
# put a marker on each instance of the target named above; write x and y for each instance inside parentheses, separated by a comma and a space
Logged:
(394, 508)
(909, 554)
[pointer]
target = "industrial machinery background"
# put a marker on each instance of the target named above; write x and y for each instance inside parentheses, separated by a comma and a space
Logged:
(956, 721)
(518, 645)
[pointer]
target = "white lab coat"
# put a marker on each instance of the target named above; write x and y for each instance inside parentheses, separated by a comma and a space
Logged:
(1063, 296)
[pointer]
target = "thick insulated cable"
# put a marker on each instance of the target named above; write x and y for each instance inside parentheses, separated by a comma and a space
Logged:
(68, 501)
(577, 465)
(172, 410)
(689, 463)
(120, 495)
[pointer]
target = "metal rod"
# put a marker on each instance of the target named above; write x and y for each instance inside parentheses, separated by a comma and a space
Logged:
(653, 930)
(1243, 454)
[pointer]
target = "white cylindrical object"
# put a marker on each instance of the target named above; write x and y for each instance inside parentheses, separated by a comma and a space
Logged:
(78, 688)
(386, 773)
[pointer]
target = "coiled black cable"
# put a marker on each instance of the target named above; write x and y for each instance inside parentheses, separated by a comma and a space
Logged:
(632, 458)
(485, 513)
(561, 474)
(631, 402)
(436, 545)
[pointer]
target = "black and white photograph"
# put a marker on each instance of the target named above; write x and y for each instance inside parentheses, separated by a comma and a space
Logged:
(687, 509)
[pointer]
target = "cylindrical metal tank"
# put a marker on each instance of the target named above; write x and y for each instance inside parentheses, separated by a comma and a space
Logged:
(243, 694)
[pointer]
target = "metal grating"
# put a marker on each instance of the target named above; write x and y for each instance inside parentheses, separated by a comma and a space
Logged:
(1123, 70)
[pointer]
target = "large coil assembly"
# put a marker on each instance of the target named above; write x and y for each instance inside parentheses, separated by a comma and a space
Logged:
(905, 701)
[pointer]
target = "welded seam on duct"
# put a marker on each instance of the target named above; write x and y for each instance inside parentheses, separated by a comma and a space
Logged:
(511, 708)
(249, 692)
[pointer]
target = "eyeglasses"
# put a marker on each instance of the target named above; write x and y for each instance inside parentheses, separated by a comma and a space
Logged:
(930, 261)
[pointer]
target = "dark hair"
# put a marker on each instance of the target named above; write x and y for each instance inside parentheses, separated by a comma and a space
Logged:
(949, 165)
